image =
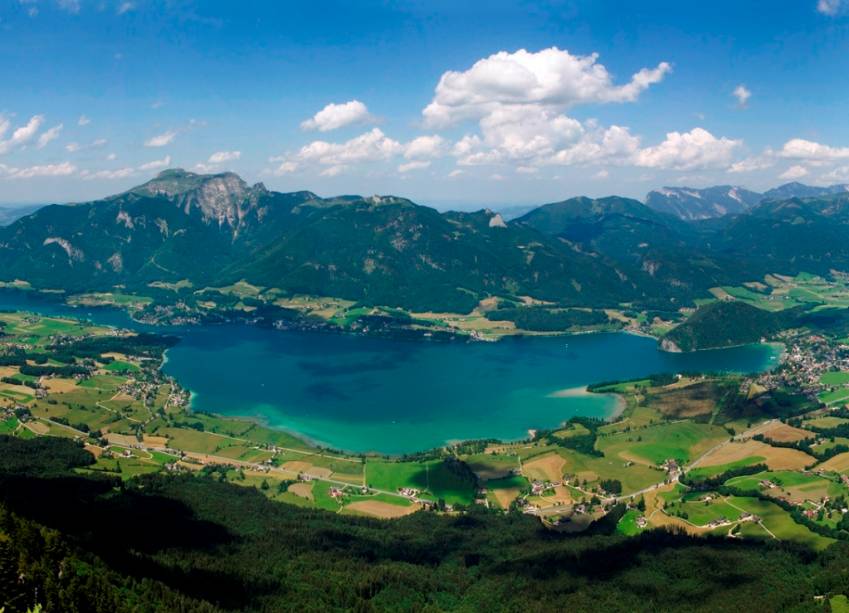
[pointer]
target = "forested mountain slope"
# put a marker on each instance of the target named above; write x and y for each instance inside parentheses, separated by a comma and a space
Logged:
(213, 230)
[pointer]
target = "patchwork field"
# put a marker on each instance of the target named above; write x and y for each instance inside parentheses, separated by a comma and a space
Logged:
(492, 466)
(548, 467)
(783, 433)
(794, 486)
(777, 458)
(591, 469)
(778, 523)
(838, 463)
(302, 489)
(825, 422)
(381, 510)
(710, 471)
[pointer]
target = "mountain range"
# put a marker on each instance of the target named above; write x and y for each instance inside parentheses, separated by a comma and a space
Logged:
(692, 204)
(214, 230)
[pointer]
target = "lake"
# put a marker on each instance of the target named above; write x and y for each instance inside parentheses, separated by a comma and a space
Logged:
(367, 394)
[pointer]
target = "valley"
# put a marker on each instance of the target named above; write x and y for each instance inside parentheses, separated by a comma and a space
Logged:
(104, 388)
(722, 416)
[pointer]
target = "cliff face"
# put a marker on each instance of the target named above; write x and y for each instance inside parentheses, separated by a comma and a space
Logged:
(224, 199)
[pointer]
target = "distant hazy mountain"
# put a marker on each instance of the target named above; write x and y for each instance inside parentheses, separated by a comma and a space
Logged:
(8, 214)
(693, 204)
(800, 190)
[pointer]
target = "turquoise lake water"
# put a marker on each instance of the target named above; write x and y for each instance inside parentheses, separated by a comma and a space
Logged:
(365, 394)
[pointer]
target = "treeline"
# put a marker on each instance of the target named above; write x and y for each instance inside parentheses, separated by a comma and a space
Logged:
(17, 381)
(805, 446)
(141, 344)
(655, 380)
(708, 483)
(840, 430)
(541, 319)
(778, 403)
(583, 442)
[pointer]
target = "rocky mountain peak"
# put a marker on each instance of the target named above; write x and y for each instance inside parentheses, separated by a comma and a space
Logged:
(224, 198)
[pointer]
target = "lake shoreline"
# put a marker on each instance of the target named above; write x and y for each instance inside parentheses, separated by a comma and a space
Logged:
(514, 401)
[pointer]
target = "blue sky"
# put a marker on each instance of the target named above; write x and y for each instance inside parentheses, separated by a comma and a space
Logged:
(449, 103)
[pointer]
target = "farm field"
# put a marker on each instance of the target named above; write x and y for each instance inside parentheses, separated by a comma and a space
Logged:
(838, 463)
(825, 422)
(777, 458)
(794, 486)
(783, 433)
(718, 469)
(627, 524)
(837, 396)
(835, 378)
(778, 523)
(653, 445)
(781, 292)
(432, 478)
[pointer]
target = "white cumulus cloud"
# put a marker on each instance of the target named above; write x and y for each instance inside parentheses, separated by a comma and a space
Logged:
(161, 140)
(334, 116)
(801, 149)
(793, 173)
(48, 135)
(414, 165)
(551, 77)
(156, 164)
(697, 148)
(219, 157)
(742, 93)
(83, 121)
(373, 145)
(95, 144)
(118, 173)
(62, 169)
(837, 175)
(333, 170)
(832, 7)
(752, 164)
(286, 167)
(424, 147)
(520, 101)
(21, 135)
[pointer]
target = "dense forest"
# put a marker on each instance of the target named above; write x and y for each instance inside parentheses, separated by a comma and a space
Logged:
(726, 324)
(163, 543)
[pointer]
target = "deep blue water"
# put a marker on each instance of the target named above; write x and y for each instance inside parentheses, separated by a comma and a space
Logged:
(365, 394)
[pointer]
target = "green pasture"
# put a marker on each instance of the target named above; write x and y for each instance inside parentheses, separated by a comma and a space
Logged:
(683, 441)
(432, 476)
